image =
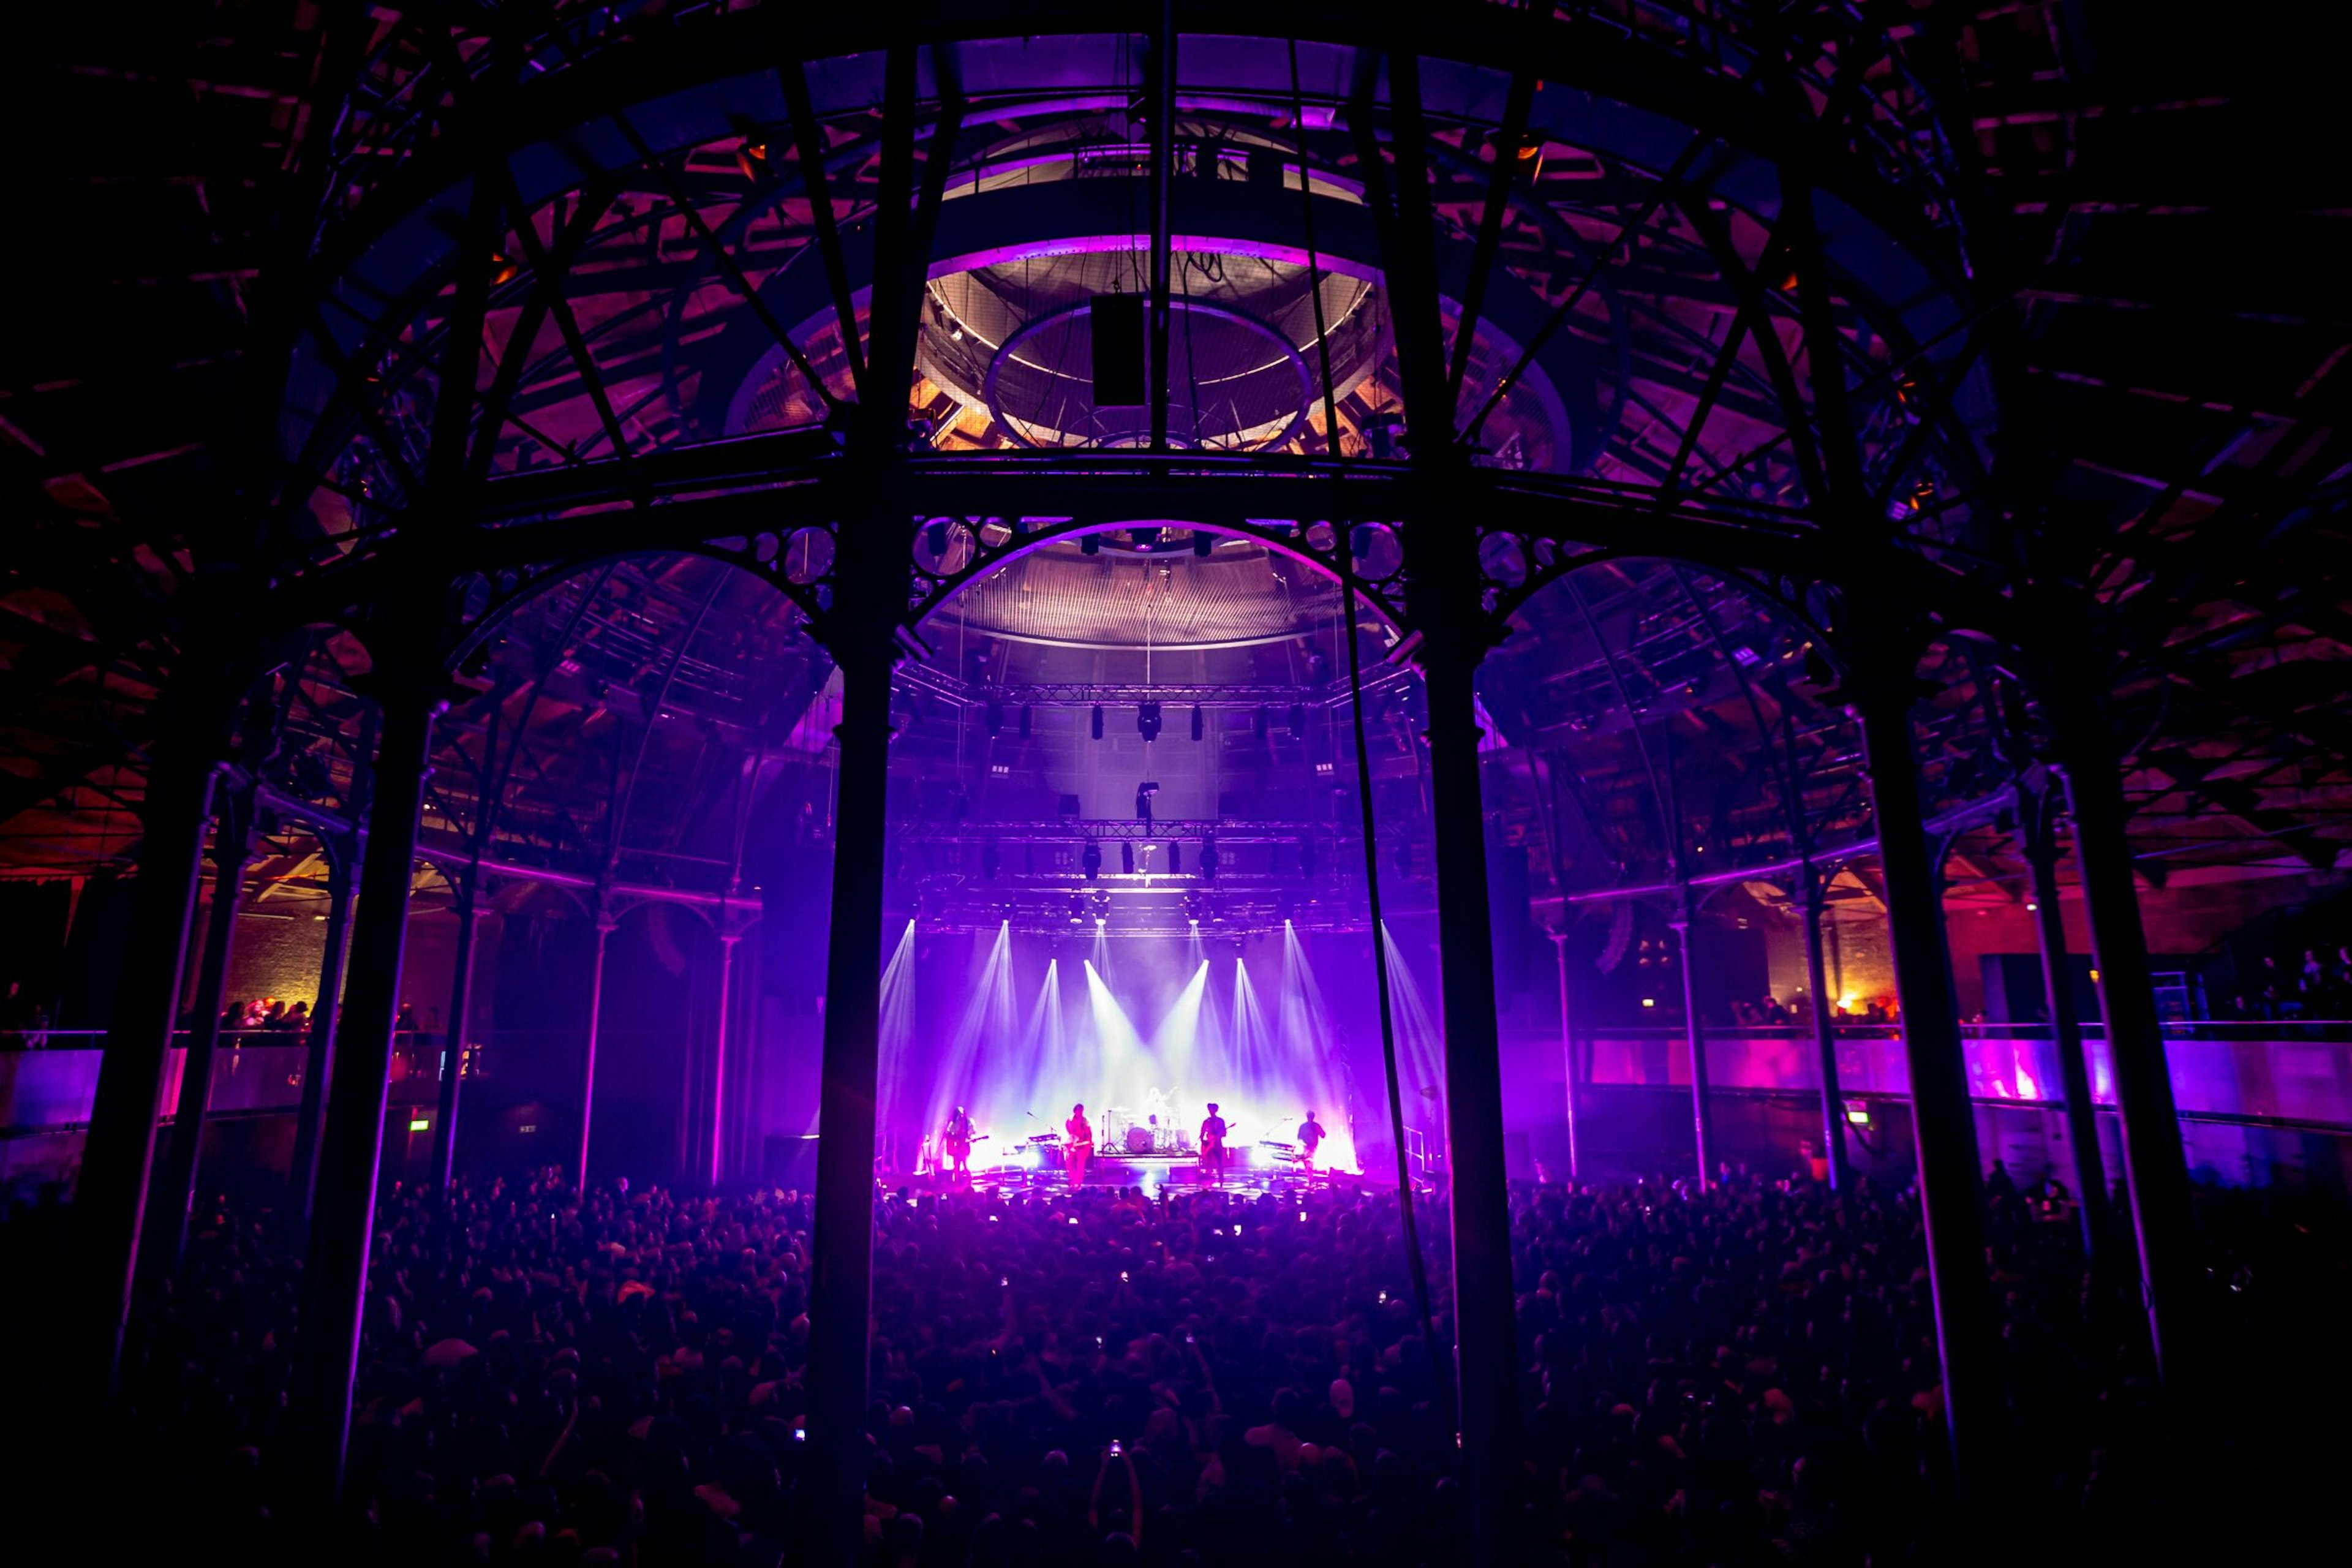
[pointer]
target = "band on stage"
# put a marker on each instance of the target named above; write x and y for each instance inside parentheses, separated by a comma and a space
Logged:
(1156, 1135)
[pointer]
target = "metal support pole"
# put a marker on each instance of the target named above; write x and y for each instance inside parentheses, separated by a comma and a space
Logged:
(119, 1154)
(1567, 1048)
(1694, 1033)
(453, 1040)
(841, 1294)
(719, 1058)
(2037, 814)
(1485, 1325)
(2156, 1169)
(301, 1177)
(605, 926)
(1825, 1034)
(326, 1353)
(1943, 1121)
(166, 1230)
(1163, 153)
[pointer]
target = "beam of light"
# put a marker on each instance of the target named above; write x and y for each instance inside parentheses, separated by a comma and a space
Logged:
(1125, 1070)
(1328, 1080)
(900, 1100)
(1176, 1039)
(1421, 1047)
(1025, 1095)
(986, 1022)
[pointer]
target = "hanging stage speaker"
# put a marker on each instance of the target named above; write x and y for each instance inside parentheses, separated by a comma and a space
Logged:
(1114, 332)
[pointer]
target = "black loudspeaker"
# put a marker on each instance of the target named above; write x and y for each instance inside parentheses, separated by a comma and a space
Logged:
(1115, 329)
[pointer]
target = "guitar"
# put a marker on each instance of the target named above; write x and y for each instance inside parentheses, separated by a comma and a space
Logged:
(1212, 1146)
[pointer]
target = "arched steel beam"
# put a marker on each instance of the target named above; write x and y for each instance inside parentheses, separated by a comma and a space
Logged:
(1615, 88)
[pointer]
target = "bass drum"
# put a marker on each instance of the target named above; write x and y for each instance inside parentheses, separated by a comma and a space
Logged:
(1139, 1140)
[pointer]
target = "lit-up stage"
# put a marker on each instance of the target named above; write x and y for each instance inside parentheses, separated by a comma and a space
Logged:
(1019, 1028)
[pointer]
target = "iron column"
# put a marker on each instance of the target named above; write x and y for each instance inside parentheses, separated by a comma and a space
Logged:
(301, 1177)
(351, 1150)
(167, 1233)
(1694, 1033)
(119, 1154)
(1485, 1320)
(453, 1044)
(605, 925)
(2037, 813)
(841, 1290)
(1825, 1034)
(727, 941)
(1943, 1120)
(1567, 1046)
(2156, 1169)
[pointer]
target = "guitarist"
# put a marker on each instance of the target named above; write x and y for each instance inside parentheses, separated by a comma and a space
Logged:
(956, 1140)
(1310, 1138)
(1080, 1147)
(1212, 1147)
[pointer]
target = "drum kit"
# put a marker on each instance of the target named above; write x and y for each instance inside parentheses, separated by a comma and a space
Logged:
(1154, 1134)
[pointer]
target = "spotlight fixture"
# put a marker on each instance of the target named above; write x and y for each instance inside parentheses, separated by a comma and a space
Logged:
(1024, 720)
(1090, 545)
(1127, 857)
(1091, 861)
(1200, 725)
(1146, 538)
(1260, 721)
(1094, 724)
(1298, 721)
(1203, 542)
(1208, 861)
(1144, 793)
(1077, 909)
(1176, 860)
(752, 157)
(993, 713)
(1147, 720)
(990, 861)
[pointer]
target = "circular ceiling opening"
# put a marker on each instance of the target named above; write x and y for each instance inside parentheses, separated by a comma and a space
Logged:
(1016, 339)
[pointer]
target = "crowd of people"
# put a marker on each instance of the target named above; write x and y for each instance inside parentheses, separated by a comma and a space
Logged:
(1743, 1376)
(2317, 985)
(1768, 1011)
